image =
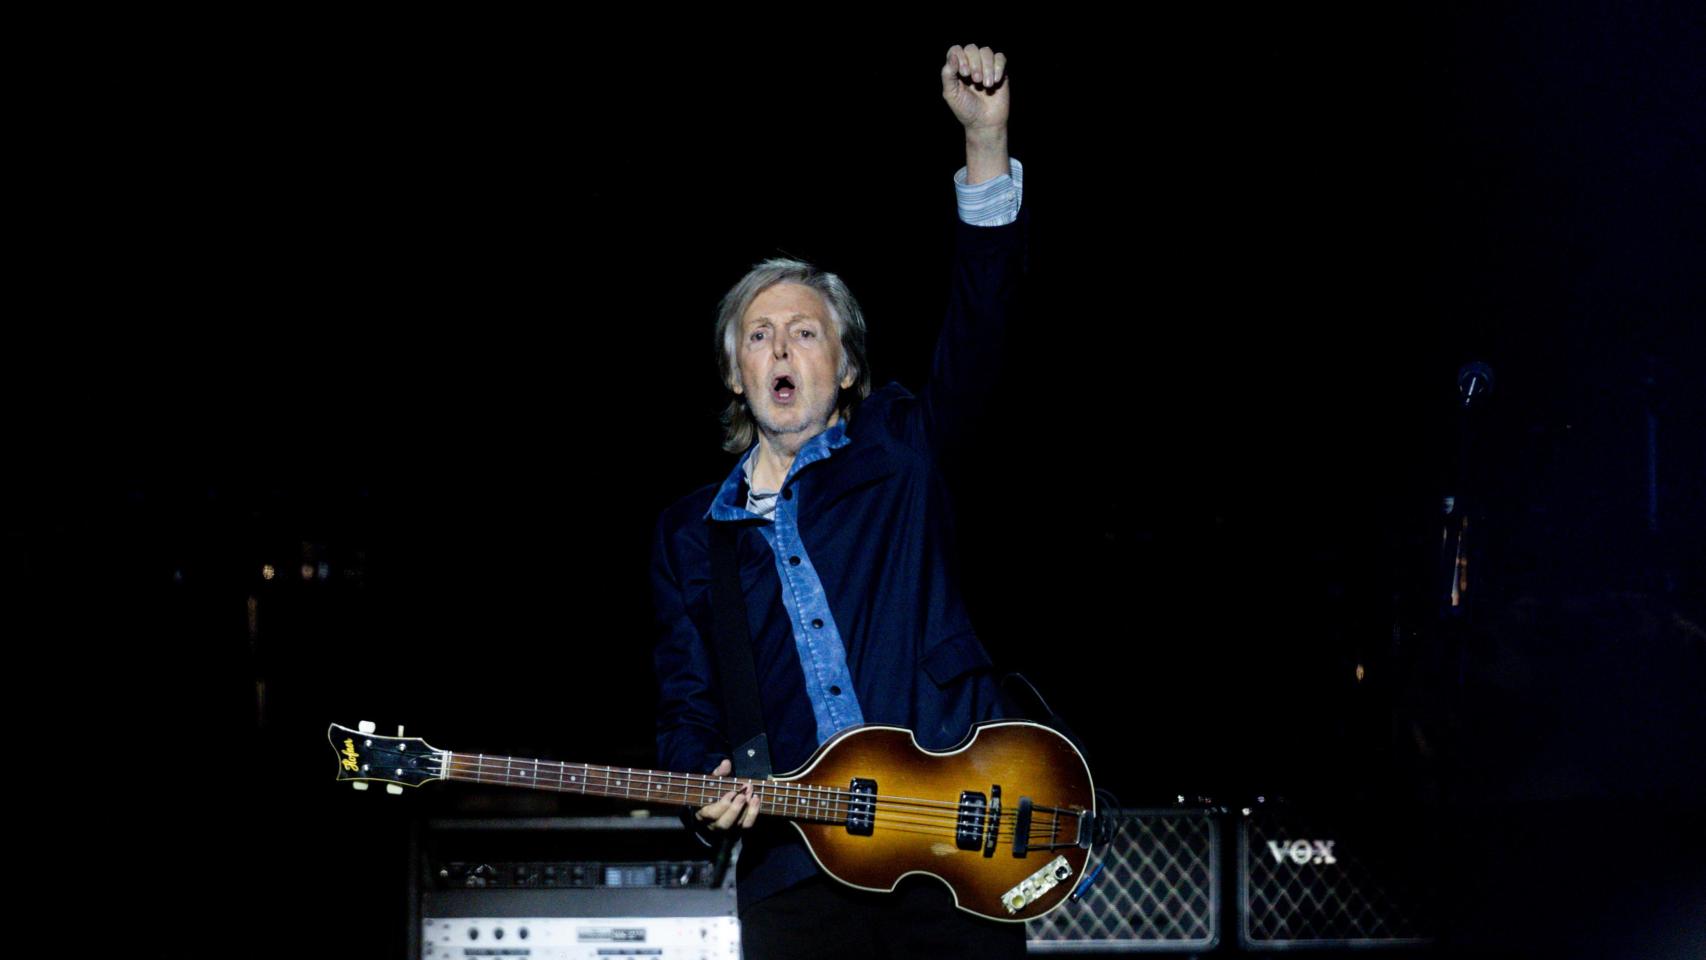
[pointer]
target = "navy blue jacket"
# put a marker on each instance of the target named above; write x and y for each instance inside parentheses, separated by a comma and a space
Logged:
(876, 521)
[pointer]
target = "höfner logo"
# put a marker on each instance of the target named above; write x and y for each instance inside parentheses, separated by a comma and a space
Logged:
(1303, 852)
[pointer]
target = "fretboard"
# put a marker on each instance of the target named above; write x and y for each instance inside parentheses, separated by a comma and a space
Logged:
(794, 800)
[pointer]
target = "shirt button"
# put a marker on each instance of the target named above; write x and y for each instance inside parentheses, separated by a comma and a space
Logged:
(835, 690)
(788, 494)
(794, 560)
(817, 624)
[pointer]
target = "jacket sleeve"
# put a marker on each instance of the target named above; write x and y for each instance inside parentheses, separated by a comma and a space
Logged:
(983, 303)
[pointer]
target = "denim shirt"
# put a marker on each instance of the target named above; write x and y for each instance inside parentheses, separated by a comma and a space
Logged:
(829, 685)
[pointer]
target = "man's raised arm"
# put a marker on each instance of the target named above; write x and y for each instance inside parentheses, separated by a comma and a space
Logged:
(974, 85)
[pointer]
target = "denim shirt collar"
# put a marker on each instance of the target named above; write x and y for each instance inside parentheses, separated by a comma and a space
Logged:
(730, 502)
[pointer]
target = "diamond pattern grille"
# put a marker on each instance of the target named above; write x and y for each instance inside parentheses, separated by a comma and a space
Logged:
(1159, 890)
(1294, 893)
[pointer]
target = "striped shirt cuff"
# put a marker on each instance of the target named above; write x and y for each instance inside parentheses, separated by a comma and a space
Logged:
(991, 203)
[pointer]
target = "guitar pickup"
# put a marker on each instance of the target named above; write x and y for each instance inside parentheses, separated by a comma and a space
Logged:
(968, 827)
(861, 807)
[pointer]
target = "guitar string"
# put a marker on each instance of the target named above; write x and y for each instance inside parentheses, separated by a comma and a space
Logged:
(504, 771)
(788, 793)
(780, 801)
(1042, 827)
(714, 786)
(610, 780)
(710, 790)
(702, 780)
(610, 775)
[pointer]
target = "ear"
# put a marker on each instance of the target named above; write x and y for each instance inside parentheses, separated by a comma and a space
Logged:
(848, 378)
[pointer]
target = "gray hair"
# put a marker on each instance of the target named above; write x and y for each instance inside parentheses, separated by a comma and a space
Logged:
(739, 429)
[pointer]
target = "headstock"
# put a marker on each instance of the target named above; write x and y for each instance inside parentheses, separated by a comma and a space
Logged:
(366, 757)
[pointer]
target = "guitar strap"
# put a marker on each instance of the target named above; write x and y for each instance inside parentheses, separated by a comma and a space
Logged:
(733, 640)
(1034, 707)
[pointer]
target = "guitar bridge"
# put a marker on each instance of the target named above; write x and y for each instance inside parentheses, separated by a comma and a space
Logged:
(1022, 828)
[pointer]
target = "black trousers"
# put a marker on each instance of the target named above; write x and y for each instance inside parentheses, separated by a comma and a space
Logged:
(821, 918)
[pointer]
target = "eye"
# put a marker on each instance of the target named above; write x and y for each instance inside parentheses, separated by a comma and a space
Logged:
(756, 335)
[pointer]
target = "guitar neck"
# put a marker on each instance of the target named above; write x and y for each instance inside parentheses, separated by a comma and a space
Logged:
(795, 801)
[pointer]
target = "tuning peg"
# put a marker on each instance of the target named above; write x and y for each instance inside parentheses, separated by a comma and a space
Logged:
(393, 790)
(360, 784)
(399, 729)
(367, 726)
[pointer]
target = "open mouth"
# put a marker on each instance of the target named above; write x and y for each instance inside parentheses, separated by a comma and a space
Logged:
(782, 388)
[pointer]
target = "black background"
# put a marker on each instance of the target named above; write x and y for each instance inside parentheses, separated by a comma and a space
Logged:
(431, 303)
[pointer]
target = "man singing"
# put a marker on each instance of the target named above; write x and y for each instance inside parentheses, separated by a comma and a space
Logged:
(843, 542)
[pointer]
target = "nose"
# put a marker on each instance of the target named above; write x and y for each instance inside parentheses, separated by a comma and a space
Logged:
(779, 346)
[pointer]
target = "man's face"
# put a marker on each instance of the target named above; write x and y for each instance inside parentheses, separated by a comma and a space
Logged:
(788, 352)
